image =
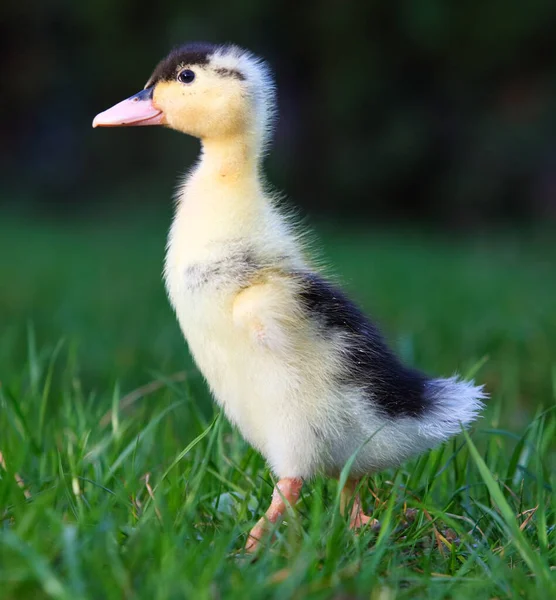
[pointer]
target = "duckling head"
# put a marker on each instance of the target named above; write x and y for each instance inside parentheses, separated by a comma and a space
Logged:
(204, 90)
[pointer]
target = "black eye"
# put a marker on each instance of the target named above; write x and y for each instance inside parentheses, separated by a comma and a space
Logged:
(186, 76)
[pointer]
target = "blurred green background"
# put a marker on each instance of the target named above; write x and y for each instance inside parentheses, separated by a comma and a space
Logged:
(417, 136)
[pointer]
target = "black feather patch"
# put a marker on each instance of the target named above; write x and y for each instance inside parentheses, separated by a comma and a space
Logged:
(194, 53)
(231, 73)
(395, 389)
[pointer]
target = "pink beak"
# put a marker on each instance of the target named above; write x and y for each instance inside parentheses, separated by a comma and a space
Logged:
(136, 110)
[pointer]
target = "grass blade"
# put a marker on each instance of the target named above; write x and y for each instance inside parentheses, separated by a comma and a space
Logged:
(514, 533)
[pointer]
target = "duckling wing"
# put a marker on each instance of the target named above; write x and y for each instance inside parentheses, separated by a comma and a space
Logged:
(296, 314)
(268, 313)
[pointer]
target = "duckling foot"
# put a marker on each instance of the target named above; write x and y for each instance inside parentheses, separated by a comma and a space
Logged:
(286, 493)
(358, 519)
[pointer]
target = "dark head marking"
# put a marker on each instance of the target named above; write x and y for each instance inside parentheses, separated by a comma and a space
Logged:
(189, 55)
(230, 73)
(194, 53)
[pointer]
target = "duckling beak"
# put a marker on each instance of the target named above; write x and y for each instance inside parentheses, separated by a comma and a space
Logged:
(136, 110)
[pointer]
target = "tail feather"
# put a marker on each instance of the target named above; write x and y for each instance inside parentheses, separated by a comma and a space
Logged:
(454, 403)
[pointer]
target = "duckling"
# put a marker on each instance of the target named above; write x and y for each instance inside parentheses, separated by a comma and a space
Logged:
(295, 365)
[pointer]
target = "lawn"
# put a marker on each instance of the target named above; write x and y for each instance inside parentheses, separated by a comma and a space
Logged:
(120, 480)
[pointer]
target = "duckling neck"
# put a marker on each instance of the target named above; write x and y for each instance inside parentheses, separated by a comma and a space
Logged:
(230, 159)
(221, 200)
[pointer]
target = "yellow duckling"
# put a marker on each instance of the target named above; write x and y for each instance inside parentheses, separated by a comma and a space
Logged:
(296, 366)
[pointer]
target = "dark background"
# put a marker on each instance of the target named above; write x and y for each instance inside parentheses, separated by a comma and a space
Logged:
(420, 110)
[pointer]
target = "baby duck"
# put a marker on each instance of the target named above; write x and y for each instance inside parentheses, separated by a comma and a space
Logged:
(295, 365)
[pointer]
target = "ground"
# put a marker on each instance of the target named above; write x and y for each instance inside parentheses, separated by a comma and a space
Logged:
(120, 480)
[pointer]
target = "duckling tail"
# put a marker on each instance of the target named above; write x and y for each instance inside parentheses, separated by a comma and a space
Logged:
(454, 403)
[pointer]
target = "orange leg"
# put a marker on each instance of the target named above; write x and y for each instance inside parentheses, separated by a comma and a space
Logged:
(285, 493)
(358, 518)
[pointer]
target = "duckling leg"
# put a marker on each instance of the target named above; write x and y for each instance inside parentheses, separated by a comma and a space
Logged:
(358, 518)
(286, 493)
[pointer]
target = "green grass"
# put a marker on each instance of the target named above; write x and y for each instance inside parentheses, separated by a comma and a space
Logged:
(121, 481)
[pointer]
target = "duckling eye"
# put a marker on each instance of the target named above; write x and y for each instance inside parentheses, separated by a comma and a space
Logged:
(186, 76)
